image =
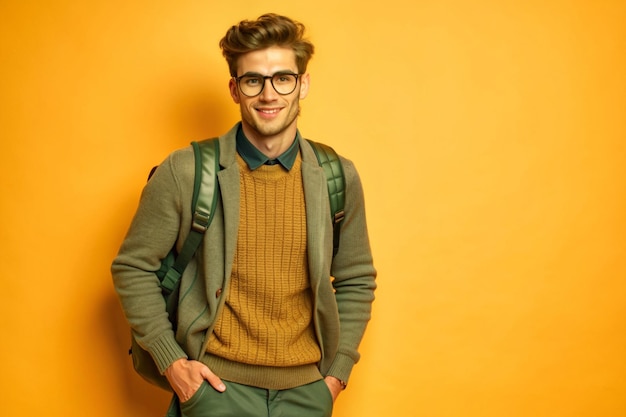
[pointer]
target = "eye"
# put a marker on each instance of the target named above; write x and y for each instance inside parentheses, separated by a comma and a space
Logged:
(252, 81)
(284, 78)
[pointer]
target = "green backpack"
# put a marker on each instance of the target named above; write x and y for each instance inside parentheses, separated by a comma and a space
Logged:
(203, 204)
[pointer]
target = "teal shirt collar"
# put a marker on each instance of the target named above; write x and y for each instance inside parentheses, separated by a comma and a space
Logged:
(255, 158)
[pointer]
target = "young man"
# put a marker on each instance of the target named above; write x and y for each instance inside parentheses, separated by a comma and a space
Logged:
(263, 329)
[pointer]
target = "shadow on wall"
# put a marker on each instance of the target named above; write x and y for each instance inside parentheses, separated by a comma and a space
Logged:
(190, 112)
(133, 392)
(198, 109)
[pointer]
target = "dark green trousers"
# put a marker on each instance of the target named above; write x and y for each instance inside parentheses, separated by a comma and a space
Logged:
(311, 400)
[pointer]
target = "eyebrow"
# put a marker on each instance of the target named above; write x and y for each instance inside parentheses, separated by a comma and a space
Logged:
(258, 74)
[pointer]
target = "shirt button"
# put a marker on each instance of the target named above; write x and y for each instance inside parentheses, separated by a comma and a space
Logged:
(218, 293)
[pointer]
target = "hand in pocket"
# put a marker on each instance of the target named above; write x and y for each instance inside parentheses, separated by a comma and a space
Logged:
(186, 377)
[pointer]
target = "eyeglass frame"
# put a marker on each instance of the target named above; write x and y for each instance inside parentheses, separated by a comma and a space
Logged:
(265, 78)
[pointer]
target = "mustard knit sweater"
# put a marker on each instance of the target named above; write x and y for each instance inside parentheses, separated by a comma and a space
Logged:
(264, 335)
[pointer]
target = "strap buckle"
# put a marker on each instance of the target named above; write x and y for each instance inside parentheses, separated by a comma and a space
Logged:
(200, 222)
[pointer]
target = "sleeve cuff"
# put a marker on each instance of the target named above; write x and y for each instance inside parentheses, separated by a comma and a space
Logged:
(341, 367)
(166, 351)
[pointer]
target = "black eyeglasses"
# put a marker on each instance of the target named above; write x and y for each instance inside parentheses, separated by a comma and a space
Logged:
(252, 85)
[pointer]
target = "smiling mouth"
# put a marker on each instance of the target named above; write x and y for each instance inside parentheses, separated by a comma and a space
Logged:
(268, 111)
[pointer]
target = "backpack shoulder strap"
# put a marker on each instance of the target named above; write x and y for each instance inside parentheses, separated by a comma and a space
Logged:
(203, 204)
(335, 180)
(207, 164)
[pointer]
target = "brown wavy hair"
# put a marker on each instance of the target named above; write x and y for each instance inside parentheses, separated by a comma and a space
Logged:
(268, 30)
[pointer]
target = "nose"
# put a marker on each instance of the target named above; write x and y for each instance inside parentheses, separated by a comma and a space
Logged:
(268, 93)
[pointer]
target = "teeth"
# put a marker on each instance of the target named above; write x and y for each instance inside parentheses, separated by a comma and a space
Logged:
(269, 111)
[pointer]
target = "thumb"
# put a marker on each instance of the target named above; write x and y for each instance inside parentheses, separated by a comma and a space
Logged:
(213, 379)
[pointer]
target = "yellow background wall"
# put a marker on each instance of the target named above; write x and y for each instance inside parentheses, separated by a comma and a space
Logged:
(490, 136)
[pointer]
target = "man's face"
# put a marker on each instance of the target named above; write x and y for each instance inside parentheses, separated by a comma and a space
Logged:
(269, 114)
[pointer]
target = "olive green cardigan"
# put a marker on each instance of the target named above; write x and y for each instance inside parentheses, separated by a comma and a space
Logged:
(342, 305)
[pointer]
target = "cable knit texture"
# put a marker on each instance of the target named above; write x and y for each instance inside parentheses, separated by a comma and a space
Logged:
(267, 316)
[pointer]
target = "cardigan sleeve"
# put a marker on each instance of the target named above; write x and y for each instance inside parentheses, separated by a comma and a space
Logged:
(354, 276)
(153, 232)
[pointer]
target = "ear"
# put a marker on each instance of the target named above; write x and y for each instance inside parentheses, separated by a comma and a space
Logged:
(234, 90)
(305, 82)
